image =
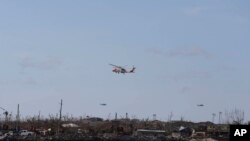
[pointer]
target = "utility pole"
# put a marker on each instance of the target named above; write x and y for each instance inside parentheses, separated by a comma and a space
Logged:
(220, 117)
(17, 118)
(213, 116)
(39, 116)
(60, 116)
(39, 124)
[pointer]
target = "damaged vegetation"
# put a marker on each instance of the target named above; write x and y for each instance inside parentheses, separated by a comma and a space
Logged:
(94, 128)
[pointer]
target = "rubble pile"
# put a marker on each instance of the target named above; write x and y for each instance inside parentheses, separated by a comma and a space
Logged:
(97, 129)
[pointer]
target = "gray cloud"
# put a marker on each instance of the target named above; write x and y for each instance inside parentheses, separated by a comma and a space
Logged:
(186, 76)
(30, 81)
(3, 82)
(44, 64)
(185, 89)
(193, 11)
(181, 52)
(25, 81)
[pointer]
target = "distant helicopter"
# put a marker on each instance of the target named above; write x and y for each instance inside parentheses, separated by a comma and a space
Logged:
(200, 105)
(119, 69)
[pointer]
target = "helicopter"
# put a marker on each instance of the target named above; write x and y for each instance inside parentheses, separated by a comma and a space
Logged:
(200, 105)
(119, 69)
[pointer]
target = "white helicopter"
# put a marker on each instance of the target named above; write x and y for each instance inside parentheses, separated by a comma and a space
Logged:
(119, 69)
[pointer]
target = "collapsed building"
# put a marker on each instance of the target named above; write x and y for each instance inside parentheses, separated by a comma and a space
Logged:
(110, 129)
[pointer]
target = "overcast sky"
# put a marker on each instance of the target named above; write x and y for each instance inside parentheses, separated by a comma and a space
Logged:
(185, 52)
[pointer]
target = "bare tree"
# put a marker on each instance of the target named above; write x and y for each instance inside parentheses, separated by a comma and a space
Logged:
(235, 116)
(170, 116)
